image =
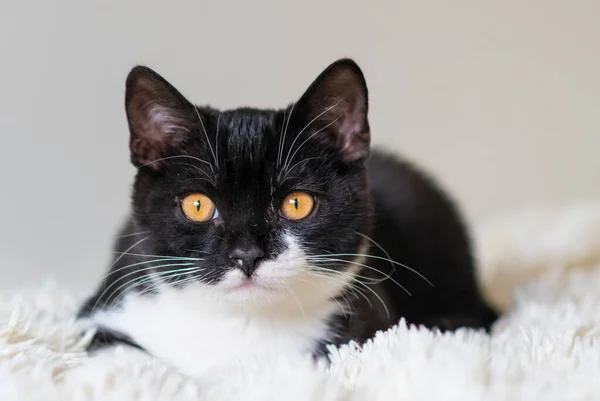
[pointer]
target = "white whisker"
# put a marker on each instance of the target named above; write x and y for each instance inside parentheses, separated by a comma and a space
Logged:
(291, 291)
(380, 248)
(175, 157)
(289, 170)
(128, 249)
(285, 130)
(132, 234)
(305, 127)
(180, 281)
(206, 135)
(217, 140)
(129, 274)
(308, 139)
(142, 263)
(279, 148)
(375, 257)
(208, 178)
(366, 266)
(344, 310)
(156, 256)
(320, 268)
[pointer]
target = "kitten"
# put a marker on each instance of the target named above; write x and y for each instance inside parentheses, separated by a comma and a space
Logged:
(259, 231)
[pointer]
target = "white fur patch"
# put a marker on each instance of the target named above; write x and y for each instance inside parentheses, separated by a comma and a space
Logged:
(201, 327)
(164, 122)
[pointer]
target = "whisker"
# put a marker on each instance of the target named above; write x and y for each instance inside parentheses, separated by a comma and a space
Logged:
(132, 234)
(111, 272)
(287, 178)
(149, 274)
(129, 249)
(291, 291)
(176, 157)
(142, 263)
(306, 126)
(198, 251)
(286, 128)
(129, 274)
(368, 267)
(192, 276)
(137, 281)
(366, 279)
(335, 299)
(356, 292)
(289, 170)
(208, 178)
(376, 257)
(345, 311)
(279, 149)
(320, 268)
(156, 256)
(211, 182)
(206, 135)
(380, 248)
(184, 280)
(309, 138)
(217, 140)
(149, 278)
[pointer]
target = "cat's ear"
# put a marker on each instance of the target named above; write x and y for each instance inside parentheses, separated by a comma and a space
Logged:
(338, 100)
(159, 116)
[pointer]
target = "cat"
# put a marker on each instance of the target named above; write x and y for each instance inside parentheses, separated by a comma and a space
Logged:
(266, 231)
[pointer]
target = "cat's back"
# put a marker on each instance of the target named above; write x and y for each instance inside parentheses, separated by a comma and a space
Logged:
(418, 225)
(406, 194)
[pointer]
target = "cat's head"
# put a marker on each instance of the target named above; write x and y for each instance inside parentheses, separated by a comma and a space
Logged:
(264, 204)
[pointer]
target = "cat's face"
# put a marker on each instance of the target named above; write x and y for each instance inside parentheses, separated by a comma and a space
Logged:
(264, 203)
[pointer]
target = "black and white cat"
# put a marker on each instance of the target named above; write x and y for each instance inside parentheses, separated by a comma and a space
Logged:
(260, 231)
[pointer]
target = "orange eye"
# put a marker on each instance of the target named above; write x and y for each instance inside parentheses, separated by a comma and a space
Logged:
(198, 207)
(297, 205)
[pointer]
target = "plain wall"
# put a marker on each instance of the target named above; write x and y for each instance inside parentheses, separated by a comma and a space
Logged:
(501, 100)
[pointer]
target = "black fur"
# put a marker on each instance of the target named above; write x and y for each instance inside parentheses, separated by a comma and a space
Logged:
(105, 338)
(248, 160)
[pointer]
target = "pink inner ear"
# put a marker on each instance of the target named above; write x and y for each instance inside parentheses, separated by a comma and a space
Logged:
(163, 125)
(156, 129)
(352, 135)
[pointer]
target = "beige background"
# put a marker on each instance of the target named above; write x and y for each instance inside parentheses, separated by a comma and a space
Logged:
(500, 100)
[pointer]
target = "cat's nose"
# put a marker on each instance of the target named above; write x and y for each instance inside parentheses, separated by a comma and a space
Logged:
(246, 257)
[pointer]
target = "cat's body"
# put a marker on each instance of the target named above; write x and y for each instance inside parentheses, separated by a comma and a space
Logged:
(253, 276)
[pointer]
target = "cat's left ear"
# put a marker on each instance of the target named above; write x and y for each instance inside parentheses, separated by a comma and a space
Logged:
(338, 101)
(159, 117)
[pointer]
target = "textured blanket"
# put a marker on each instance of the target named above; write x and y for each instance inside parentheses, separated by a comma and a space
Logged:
(541, 268)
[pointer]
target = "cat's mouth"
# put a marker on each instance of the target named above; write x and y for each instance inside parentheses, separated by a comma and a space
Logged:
(247, 284)
(252, 284)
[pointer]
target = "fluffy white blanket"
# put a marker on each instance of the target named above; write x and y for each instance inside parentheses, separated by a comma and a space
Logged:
(542, 268)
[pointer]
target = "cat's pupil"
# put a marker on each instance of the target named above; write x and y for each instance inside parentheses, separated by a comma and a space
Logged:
(197, 204)
(296, 203)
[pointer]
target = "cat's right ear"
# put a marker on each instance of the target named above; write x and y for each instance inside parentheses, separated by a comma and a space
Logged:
(338, 101)
(159, 116)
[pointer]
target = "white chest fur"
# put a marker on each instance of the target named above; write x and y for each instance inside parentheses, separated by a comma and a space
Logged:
(196, 334)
